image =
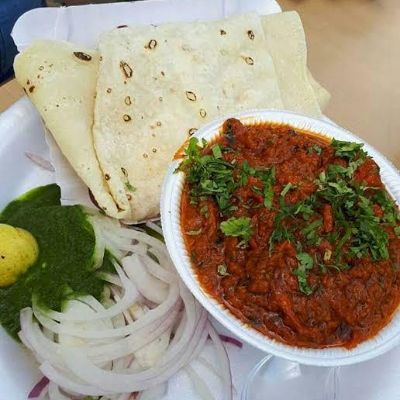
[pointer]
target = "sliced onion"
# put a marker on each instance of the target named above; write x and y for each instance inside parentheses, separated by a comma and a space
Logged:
(146, 322)
(40, 161)
(130, 296)
(209, 366)
(124, 396)
(55, 394)
(61, 379)
(224, 360)
(130, 344)
(156, 228)
(38, 388)
(99, 243)
(149, 286)
(159, 272)
(132, 382)
(147, 327)
(135, 234)
(154, 393)
(198, 383)
(110, 278)
(231, 340)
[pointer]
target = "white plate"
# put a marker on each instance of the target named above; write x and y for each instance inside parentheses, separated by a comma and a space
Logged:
(20, 131)
(387, 338)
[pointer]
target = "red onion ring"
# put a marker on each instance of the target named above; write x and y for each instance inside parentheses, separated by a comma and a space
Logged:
(40, 161)
(38, 388)
(231, 340)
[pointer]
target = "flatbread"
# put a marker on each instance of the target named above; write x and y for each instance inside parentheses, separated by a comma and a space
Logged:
(287, 45)
(322, 95)
(158, 84)
(60, 80)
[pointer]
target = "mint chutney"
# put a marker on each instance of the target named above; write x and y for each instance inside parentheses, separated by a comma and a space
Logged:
(64, 268)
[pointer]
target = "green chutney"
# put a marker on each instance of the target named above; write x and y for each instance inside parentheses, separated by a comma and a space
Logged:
(64, 268)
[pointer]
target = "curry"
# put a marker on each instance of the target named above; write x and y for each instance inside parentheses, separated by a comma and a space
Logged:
(293, 233)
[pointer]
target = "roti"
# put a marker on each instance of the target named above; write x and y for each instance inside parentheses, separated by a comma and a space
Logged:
(287, 45)
(158, 84)
(60, 80)
(120, 114)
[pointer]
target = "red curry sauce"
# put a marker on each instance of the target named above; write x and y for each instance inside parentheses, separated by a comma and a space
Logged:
(336, 284)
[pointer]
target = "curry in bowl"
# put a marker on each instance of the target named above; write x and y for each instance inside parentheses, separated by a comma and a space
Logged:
(293, 233)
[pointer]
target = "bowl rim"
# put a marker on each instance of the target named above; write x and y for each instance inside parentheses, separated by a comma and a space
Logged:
(386, 339)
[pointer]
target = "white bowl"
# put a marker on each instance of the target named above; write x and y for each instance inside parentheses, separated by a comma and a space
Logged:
(386, 339)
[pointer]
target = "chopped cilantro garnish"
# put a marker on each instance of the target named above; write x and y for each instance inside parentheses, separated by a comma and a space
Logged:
(351, 206)
(211, 175)
(281, 232)
(355, 226)
(343, 240)
(204, 211)
(208, 175)
(222, 270)
(216, 150)
(194, 232)
(238, 227)
(389, 208)
(314, 149)
(327, 255)
(245, 172)
(345, 171)
(349, 150)
(268, 178)
(266, 175)
(305, 208)
(306, 262)
(309, 228)
(286, 189)
(310, 232)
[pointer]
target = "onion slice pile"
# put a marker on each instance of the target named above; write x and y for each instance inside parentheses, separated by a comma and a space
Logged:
(147, 328)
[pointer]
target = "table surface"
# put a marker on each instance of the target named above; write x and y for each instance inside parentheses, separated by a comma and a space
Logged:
(353, 51)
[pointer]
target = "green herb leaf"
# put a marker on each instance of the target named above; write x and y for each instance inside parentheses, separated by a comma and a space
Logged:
(238, 227)
(306, 263)
(336, 169)
(222, 270)
(245, 172)
(310, 232)
(327, 255)
(208, 175)
(281, 232)
(397, 231)
(286, 189)
(309, 228)
(305, 208)
(216, 150)
(348, 150)
(268, 178)
(194, 232)
(390, 210)
(314, 149)
(204, 211)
